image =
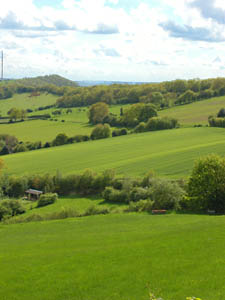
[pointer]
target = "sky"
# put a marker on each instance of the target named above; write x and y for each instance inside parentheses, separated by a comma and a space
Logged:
(114, 40)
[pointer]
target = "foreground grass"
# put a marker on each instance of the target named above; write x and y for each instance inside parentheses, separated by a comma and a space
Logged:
(114, 257)
(195, 113)
(170, 153)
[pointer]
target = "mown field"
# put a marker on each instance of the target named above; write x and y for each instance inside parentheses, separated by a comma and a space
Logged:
(195, 113)
(170, 153)
(114, 257)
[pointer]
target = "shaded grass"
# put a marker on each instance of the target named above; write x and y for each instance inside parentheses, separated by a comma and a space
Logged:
(169, 152)
(77, 203)
(114, 257)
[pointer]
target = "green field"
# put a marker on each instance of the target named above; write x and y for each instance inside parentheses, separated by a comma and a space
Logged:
(114, 257)
(72, 124)
(43, 130)
(23, 101)
(195, 113)
(73, 202)
(168, 152)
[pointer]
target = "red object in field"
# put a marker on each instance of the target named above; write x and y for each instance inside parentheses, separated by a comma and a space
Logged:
(159, 211)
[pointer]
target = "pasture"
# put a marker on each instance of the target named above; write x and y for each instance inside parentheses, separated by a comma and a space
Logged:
(196, 112)
(23, 101)
(73, 202)
(114, 257)
(44, 130)
(169, 152)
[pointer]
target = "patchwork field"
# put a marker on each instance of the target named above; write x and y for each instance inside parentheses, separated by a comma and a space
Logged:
(114, 257)
(169, 152)
(195, 113)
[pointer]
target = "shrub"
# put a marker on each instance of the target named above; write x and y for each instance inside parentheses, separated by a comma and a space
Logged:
(140, 206)
(101, 132)
(221, 113)
(166, 194)
(112, 195)
(10, 208)
(141, 127)
(61, 139)
(138, 193)
(46, 199)
(207, 183)
(94, 210)
(158, 123)
(16, 186)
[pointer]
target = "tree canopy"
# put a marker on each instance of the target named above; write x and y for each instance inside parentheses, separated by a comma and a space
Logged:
(207, 183)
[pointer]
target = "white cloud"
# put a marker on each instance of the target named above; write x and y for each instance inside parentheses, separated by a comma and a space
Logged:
(95, 40)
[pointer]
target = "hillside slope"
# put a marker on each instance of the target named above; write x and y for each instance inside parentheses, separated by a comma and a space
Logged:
(196, 112)
(169, 152)
(48, 79)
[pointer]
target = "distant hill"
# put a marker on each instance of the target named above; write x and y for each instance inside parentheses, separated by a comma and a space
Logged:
(46, 80)
(91, 82)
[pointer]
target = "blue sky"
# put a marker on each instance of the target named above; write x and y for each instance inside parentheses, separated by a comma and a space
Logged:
(124, 40)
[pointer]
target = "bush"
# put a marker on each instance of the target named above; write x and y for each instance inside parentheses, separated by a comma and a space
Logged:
(138, 193)
(158, 123)
(101, 132)
(141, 127)
(112, 195)
(10, 208)
(46, 199)
(207, 183)
(61, 139)
(140, 206)
(221, 113)
(166, 194)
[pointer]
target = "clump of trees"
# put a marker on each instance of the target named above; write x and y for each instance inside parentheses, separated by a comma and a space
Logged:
(206, 186)
(101, 131)
(157, 123)
(98, 112)
(218, 121)
(16, 114)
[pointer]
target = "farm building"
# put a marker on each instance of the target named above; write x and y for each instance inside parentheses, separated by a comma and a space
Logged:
(33, 194)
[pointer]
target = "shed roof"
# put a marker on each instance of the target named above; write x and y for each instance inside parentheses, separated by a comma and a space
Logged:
(34, 192)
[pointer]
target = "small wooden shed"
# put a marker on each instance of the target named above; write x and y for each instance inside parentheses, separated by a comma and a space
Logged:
(33, 194)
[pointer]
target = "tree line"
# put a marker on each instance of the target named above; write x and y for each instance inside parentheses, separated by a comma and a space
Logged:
(204, 191)
(164, 94)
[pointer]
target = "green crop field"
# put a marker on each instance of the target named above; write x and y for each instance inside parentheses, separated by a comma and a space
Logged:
(169, 152)
(114, 257)
(23, 101)
(195, 113)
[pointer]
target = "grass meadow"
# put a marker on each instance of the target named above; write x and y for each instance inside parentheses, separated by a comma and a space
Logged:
(195, 113)
(169, 153)
(44, 130)
(114, 257)
(73, 202)
(23, 101)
